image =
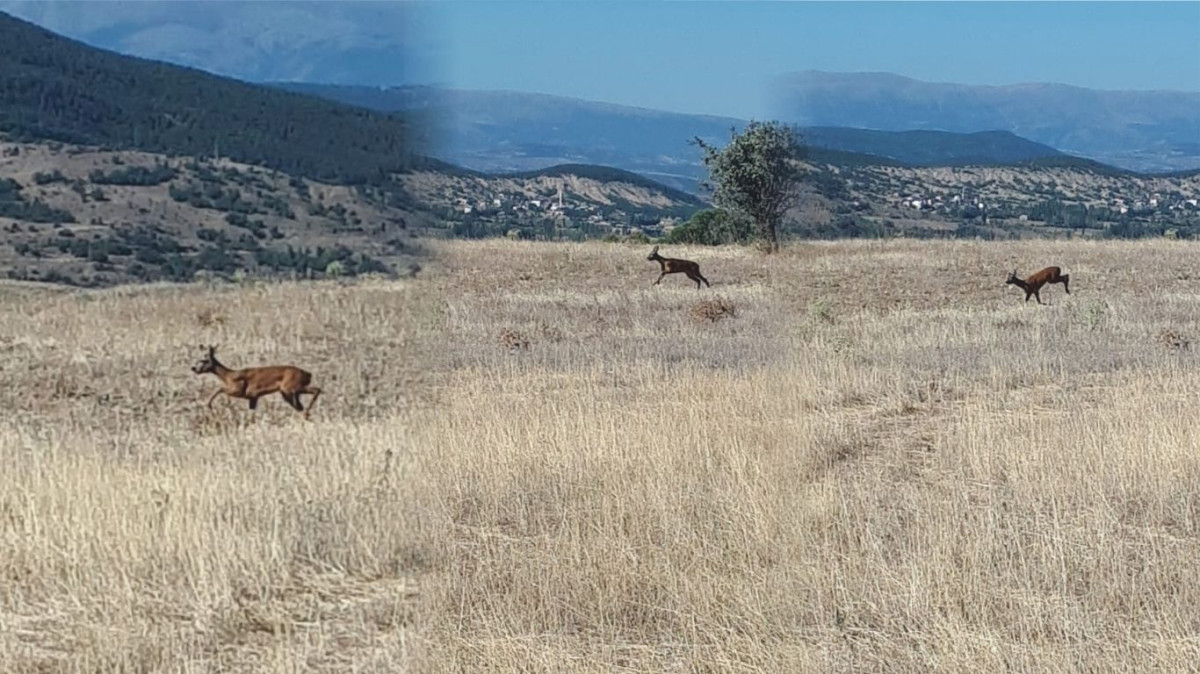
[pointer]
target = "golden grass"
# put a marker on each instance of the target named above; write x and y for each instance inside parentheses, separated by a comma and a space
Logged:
(847, 457)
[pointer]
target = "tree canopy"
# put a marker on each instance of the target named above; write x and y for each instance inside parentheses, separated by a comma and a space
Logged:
(756, 174)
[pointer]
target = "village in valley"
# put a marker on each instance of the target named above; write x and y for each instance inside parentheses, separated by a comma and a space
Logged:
(1011, 200)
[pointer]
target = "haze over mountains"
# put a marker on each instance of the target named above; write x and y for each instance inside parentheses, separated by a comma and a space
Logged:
(512, 131)
(1138, 130)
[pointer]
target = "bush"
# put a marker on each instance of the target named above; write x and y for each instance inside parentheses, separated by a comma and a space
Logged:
(133, 175)
(712, 227)
(714, 310)
(54, 176)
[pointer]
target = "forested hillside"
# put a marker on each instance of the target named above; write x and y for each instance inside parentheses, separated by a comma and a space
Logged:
(58, 89)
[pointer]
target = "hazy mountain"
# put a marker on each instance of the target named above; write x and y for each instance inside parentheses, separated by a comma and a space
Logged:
(351, 42)
(502, 131)
(512, 131)
(1139, 130)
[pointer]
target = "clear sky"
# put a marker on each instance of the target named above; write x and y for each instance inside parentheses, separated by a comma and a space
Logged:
(716, 57)
(720, 57)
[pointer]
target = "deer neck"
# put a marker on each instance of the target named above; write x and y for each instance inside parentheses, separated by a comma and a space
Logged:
(220, 370)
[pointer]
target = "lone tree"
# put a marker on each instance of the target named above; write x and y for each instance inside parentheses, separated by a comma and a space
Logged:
(756, 174)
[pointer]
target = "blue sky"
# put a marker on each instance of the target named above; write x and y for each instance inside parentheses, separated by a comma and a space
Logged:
(715, 57)
(720, 57)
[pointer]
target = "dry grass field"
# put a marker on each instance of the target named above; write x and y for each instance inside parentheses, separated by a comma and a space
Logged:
(859, 456)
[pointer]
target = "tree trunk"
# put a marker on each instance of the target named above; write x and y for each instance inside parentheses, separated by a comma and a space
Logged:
(771, 236)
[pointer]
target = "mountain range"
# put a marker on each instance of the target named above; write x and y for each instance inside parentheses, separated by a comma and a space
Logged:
(1137, 130)
(513, 131)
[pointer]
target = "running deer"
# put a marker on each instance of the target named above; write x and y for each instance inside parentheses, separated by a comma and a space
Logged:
(1034, 283)
(253, 383)
(674, 266)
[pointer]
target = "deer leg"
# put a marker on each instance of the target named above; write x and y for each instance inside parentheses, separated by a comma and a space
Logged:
(706, 283)
(660, 277)
(314, 392)
(214, 397)
(1066, 281)
(1027, 295)
(1039, 297)
(254, 403)
(293, 400)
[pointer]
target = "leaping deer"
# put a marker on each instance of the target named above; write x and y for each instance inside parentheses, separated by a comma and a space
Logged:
(675, 266)
(1034, 283)
(253, 383)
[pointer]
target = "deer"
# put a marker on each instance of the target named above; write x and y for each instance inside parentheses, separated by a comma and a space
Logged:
(674, 266)
(253, 383)
(1034, 283)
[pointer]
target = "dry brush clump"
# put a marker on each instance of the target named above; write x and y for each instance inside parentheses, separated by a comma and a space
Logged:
(713, 310)
(914, 477)
(1172, 339)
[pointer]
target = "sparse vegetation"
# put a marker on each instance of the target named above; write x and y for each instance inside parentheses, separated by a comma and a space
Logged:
(941, 478)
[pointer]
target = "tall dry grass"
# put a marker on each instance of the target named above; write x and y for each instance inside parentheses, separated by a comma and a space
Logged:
(847, 457)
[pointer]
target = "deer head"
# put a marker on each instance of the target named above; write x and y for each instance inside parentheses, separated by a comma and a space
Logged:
(208, 363)
(1012, 278)
(653, 254)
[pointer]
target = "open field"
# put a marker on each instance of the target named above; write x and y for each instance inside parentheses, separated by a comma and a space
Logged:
(527, 459)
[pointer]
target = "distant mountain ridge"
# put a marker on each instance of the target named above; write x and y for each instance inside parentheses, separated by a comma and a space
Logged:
(1137, 130)
(505, 131)
(932, 148)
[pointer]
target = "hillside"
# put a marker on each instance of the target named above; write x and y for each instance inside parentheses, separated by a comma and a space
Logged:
(1057, 196)
(1138, 130)
(58, 89)
(87, 216)
(569, 202)
(116, 169)
(502, 131)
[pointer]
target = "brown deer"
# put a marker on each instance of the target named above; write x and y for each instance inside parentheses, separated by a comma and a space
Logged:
(1034, 283)
(674, 266)
(253, 383)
